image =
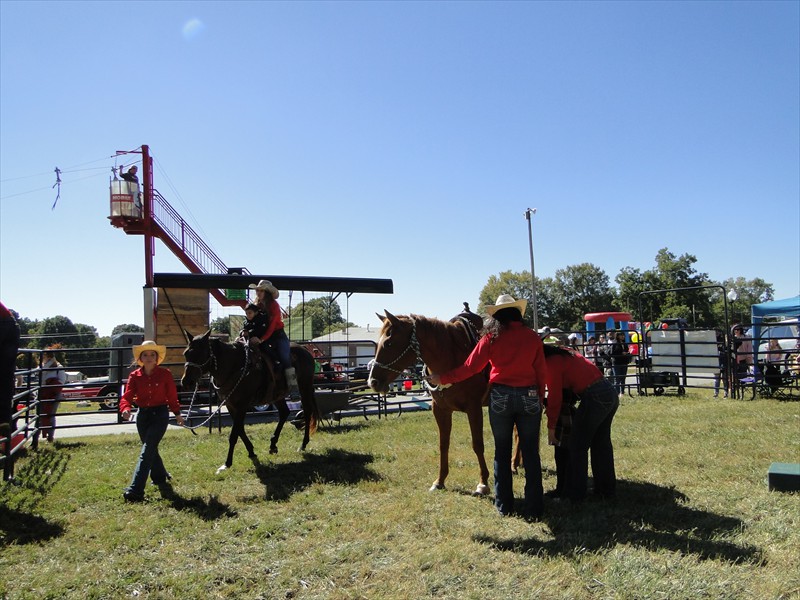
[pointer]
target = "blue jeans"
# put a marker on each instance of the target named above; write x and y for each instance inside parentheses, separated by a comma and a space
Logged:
(151, 423)
(509, 406)
(279, 342)
(591, 430)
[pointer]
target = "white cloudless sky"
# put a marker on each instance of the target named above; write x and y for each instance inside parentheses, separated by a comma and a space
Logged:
(399, 140)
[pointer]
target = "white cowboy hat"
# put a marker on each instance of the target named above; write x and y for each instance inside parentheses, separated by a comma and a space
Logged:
(267, 287)
(149, 345)
(506, 301)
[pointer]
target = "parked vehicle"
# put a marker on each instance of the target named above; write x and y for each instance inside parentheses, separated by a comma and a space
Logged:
(94, 388)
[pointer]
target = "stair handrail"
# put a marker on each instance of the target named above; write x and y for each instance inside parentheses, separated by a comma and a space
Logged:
(185, 237)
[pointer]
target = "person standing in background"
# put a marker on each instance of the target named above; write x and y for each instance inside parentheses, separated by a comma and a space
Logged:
(9, 346)
(54, 377)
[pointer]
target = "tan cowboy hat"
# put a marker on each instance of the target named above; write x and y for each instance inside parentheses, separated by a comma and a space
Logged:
(506, 301)
(267, 287)
(150, 345)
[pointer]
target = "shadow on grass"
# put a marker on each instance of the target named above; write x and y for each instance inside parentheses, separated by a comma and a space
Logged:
(22, 527)
(19, 523)
(208, 510)
(643, 515)
(334, 466)
(338, 427)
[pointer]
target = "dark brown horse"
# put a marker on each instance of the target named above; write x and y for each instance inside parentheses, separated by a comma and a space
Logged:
(441, 346)
(242, 386)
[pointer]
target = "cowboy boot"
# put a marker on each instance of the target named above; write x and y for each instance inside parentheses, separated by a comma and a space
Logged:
(291, 381)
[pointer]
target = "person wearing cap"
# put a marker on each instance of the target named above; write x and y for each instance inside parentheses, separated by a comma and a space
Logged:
(151, 388)
(517, 376)
(590, 424)
(130, 174)
(275, 336)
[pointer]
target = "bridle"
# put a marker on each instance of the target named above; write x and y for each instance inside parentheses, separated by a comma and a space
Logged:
(202, 367)
(413, 344)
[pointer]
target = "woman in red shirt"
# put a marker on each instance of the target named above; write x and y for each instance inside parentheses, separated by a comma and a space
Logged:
(517, 376)
(591, 423)
(275, 336)
(153, 390)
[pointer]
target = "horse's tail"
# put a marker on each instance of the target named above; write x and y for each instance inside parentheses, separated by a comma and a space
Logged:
(315, 416)
(305, 370)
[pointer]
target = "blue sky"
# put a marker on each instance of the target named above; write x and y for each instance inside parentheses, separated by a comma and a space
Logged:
(398, 140)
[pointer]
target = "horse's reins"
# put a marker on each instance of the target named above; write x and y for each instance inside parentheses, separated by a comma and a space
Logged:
(201, 367)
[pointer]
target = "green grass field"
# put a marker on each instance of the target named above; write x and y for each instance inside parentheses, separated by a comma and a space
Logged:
(353, 517)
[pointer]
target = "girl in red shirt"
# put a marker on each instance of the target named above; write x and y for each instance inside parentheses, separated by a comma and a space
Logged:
(275, 336)
(153, 390)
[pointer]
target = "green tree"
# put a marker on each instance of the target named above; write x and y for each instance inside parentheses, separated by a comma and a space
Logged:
(678, 290)
(54, 330)
(325, 315)
(127, 328)
(517, 285)
(87, 336)
(222, 325)
(561, 301)
(577, 290)
(748, 292)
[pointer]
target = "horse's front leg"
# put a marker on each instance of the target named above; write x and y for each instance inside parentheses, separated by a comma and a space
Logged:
(475, 416)
(232, 437)
(444, 421)
(283, 414)
(237, 431)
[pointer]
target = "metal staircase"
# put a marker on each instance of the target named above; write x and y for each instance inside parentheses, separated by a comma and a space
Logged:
(168, 226)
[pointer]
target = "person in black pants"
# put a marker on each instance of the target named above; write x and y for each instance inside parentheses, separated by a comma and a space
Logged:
(9, 346)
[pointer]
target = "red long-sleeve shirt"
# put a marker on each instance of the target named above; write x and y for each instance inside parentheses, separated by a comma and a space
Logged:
(574, 373)
(516, 357)
(151, 390)
(275, 321)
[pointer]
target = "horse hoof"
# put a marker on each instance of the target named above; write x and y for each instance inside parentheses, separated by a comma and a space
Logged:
(482, 489)
(221, 469)
(436, 486)
(273, 450)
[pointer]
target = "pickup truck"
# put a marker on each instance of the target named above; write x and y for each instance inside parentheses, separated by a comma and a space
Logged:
(100, 389)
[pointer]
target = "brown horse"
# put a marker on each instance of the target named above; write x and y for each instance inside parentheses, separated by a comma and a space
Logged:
(242, 386)
(441, 346)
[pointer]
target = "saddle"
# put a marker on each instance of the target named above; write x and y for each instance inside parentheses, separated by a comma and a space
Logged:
(273, 386)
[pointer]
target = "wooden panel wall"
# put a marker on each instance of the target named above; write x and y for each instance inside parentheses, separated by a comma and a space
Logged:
(191, 311)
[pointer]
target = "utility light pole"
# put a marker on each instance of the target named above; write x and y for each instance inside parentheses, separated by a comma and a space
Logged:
(528, 213)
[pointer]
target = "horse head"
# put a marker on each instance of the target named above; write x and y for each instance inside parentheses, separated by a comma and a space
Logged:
(198, 358)
(397, 350)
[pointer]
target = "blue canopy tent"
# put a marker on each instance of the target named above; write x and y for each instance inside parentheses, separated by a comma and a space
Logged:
(788, 308)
